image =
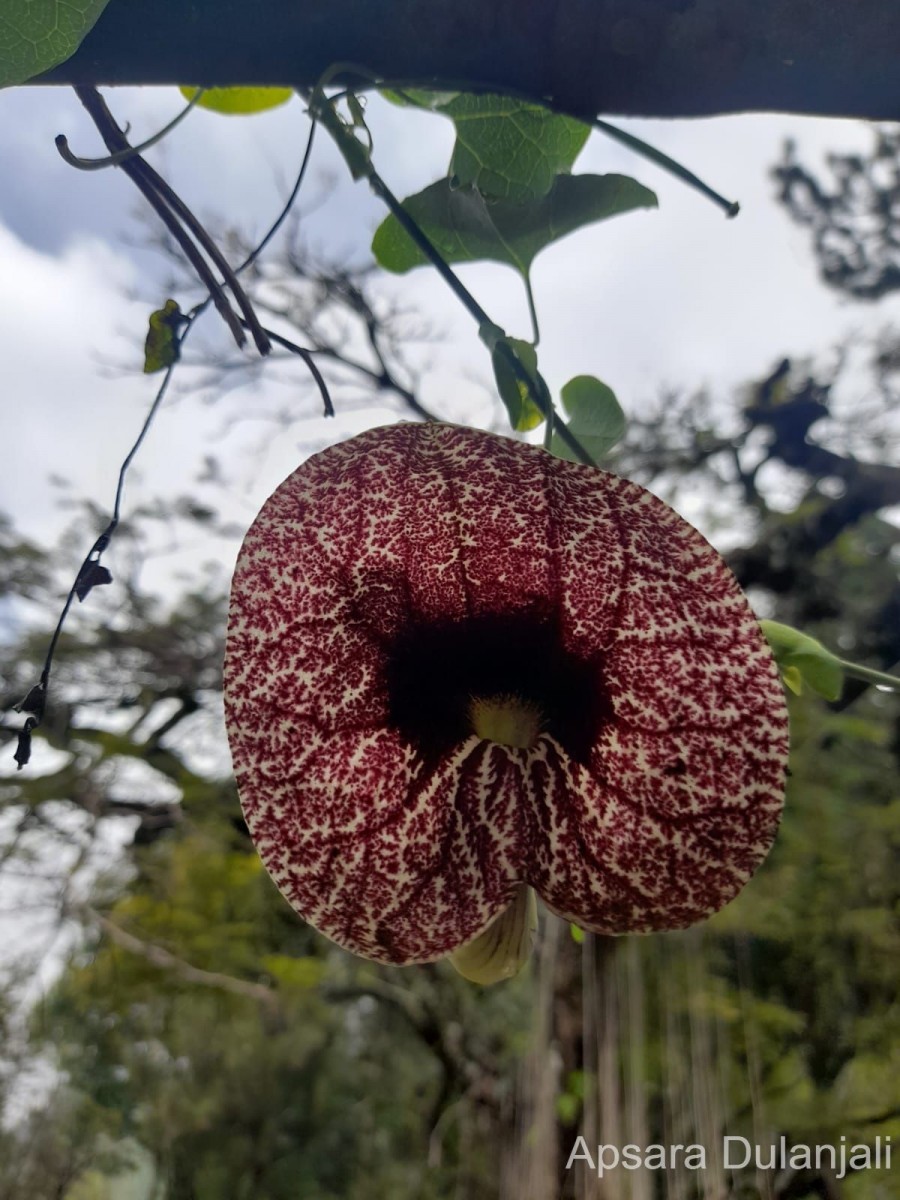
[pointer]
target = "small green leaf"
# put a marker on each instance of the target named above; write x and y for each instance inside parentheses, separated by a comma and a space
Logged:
(467, 228)
(523, 402)
(577, 934)
(595, 417)
(508, 149)
(801, 654)
(37, 36)
(91, 575)
(239, 101)
(161, 346)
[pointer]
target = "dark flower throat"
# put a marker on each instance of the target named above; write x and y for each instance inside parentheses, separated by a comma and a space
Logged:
(435, 670)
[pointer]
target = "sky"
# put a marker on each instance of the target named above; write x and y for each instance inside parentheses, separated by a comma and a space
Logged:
(675, 296)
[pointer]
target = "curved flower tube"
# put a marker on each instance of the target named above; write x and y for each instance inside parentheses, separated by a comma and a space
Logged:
(457, 665)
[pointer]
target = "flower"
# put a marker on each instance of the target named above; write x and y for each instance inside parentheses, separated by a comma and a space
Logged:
(457, 665)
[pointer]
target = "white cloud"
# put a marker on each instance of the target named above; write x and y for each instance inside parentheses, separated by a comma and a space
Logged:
(57, 314)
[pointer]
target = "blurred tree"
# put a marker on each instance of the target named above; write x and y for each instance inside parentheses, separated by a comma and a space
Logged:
(855, 218)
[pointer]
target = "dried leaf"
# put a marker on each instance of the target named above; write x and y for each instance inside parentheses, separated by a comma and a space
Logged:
(93, 575)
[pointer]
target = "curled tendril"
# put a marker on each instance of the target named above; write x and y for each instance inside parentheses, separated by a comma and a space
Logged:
(115, 160)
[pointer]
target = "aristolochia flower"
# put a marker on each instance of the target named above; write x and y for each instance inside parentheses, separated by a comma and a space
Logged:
(457, 666)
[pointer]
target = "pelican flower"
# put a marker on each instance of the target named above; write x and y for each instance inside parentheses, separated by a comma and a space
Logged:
(460, 669)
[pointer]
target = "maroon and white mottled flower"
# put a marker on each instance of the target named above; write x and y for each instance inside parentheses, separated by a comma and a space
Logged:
(409, 590)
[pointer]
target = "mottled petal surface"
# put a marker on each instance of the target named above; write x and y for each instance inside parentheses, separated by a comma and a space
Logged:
(395, 576)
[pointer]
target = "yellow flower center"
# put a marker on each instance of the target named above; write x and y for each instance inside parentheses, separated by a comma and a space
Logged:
(509, 720)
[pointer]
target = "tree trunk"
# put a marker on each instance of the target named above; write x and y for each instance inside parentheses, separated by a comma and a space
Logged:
(673, 58)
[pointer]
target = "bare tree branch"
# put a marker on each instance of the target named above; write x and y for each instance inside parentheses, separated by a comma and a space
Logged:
(158, 956)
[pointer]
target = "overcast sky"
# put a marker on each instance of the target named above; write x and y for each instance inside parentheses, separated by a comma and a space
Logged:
(680, 295)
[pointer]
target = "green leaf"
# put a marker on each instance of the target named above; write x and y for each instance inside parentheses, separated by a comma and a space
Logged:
(239, 101)
(418, 98)
(510, 150)
(506, 148)
(467, 228)
(798, 653)
(36, 35)
(595, 417)
(161, 345)
(523, 402)
(577, 934)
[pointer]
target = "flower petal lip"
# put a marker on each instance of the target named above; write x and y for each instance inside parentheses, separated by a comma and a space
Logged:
(396, 575)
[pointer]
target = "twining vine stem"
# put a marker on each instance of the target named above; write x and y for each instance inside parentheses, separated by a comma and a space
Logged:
(176, 215)
(91, 573)
(359, 161)
(731, 208)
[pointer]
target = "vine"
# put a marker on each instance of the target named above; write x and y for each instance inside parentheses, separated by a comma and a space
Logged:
(169, 330)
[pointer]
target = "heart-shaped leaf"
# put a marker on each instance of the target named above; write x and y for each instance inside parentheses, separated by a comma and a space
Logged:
(467, 228)
(35, 37)
(510, 150)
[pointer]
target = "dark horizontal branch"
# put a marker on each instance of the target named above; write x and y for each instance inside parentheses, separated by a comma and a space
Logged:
(872, 486)
(590, 57)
